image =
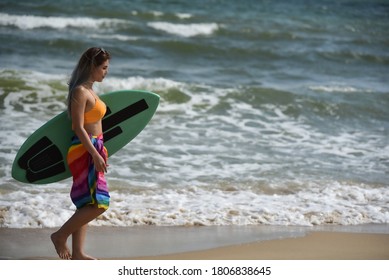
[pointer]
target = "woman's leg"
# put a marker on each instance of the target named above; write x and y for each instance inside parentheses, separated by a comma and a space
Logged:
(74, 225)
(78, 241)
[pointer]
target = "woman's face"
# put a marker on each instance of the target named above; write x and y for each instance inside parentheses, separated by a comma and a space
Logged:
(99, 72)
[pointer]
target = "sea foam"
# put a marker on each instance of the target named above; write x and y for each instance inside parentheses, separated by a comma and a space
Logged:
(32, 22)
(316, 204)
(186, 30)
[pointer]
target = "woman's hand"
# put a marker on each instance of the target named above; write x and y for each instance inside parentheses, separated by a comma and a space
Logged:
(100, 163)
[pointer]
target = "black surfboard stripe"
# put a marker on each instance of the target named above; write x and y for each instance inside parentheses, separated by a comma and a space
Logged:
(42, 160)
(48, 172)
(40, 145)
(108, 135)
(45, 159)
(124, 114)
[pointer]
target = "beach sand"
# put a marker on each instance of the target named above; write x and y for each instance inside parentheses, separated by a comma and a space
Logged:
(367, 242)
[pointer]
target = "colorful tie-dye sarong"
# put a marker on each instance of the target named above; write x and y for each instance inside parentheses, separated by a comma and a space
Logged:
(89, 186)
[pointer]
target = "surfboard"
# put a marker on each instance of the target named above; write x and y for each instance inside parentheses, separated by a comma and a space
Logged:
(42, 157)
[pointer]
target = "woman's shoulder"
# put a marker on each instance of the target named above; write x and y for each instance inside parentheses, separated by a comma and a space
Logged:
(80, 92)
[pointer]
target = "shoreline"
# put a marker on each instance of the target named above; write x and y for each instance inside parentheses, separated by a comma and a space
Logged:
(362, 242)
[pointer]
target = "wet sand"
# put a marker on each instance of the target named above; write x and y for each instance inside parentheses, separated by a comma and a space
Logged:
(366, 242)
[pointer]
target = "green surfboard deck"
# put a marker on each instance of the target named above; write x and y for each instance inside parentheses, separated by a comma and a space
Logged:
(42, 157)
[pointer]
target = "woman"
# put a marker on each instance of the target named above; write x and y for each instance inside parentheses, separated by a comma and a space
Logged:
(87, 156)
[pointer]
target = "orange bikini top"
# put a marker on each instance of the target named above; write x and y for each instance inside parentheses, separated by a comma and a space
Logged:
(96, 113)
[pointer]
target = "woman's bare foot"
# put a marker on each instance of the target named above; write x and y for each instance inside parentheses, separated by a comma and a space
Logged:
(82, 256)
(60, 246)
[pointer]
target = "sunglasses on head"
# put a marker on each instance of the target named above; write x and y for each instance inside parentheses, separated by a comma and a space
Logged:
(101, 50)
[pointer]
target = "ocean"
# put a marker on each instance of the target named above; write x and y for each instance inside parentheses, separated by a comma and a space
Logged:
(271, 112)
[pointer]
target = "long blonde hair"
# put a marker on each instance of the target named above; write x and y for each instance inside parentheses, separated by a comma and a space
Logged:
(92, 57)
